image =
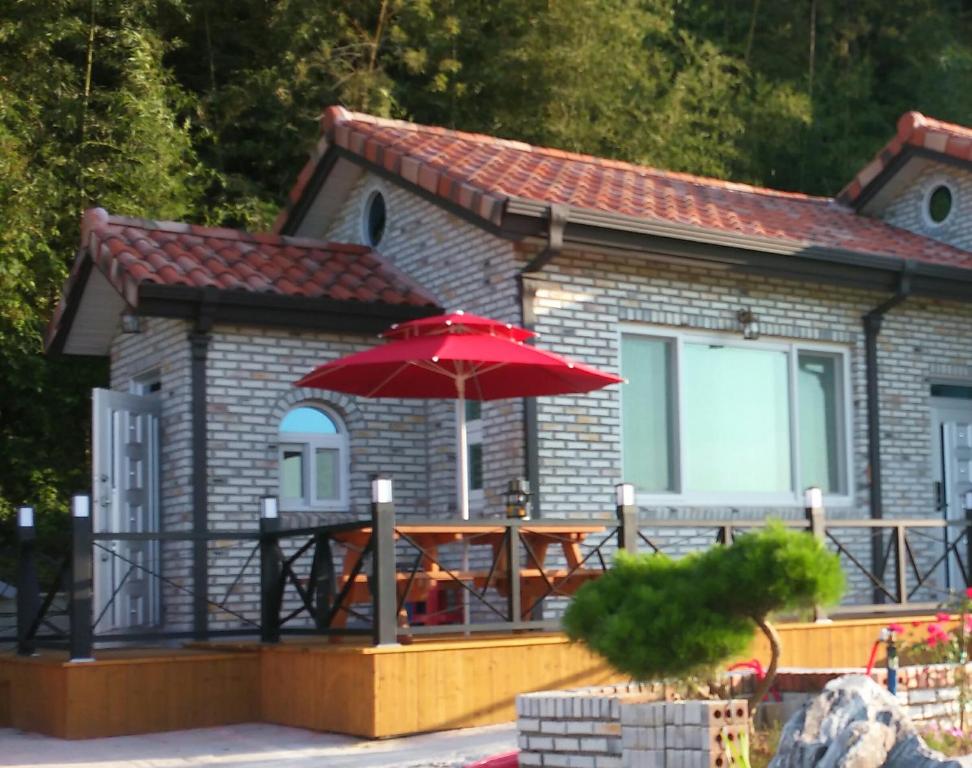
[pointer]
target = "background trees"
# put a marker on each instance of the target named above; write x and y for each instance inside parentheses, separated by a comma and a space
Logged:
(206, 109)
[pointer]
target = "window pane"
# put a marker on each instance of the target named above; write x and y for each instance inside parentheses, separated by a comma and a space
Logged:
(474, 410)
(292, 474)
(475, 467)
(309, 420)
(328, 487)
(820, 439)
(646, 413)
(736, 419)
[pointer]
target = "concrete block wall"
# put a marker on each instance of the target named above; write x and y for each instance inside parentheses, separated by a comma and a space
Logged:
(626, 725)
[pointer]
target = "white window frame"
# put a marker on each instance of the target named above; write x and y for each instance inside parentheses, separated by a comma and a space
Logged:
(935, 183)
(308, 443)
(371, 192)
(678, 498)
(474, 436)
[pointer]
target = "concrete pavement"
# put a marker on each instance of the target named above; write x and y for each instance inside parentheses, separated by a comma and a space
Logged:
(255, 746)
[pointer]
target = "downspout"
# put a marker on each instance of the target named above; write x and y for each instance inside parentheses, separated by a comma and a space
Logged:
(872, 328)
(556, 223)
(199, 344)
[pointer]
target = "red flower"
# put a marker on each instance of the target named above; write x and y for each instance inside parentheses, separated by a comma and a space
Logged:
(968, 592)
(941, 616)
(896, 629)
(968, 622)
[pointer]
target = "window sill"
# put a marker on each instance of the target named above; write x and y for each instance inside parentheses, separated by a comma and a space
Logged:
(761, 501)
(341, 506)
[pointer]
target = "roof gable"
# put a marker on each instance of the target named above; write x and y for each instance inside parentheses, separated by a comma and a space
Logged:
(916, 134)
(490, 179)
(155, 265)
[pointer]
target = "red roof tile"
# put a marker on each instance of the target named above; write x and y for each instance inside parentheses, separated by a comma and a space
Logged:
(131, 252)
(483, 174)
(914, 130)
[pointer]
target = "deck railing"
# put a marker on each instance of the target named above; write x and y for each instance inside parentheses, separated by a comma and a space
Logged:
(389, 579)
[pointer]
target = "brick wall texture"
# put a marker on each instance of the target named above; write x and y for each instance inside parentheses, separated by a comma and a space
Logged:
(581, 300)
(906, 207)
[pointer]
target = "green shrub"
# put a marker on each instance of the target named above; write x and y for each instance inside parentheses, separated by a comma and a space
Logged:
(655, 618)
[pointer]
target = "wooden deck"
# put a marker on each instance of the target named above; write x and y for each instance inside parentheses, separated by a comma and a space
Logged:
(366, 691)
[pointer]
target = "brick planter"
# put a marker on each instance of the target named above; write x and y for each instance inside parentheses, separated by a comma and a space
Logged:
(629, 725)
(927, 692)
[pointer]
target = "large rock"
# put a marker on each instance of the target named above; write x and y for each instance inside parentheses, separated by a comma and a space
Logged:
(854, 723)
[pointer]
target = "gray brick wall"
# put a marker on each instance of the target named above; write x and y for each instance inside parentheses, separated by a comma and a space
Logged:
(582, 297)
(163, 347)
(464, 268)
(906, 207)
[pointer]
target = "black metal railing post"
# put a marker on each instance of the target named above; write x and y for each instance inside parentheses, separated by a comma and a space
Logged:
(816, 527)
(514, 598)
(968, 538)
(383, 556)
(627, 513)
(271, 573)
(82, 575)
(28, 586)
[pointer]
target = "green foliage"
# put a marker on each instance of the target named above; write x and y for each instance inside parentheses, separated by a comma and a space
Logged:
(657, 618)
(206, 110)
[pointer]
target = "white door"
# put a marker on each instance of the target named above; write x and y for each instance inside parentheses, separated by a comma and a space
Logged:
(125, 460)
(952, 474)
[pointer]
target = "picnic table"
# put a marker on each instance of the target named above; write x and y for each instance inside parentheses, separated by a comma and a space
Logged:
(428, 571)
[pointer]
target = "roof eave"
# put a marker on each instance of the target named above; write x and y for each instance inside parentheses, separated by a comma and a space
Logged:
(872, 271)
(262, 309)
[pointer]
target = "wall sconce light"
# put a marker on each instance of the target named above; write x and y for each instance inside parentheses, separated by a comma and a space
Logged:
(130, 322)
(517, 498)
(748, 323)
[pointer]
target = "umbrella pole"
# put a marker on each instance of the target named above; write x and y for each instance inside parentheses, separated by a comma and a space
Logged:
(462, 476)
(463, 484)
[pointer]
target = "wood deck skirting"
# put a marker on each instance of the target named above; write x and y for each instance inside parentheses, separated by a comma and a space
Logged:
(365, 691)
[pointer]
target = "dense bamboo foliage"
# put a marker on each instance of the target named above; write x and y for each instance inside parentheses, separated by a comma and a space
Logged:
(205, 109)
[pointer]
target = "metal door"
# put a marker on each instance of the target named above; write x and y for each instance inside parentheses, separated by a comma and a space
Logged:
(956, 441)
(125, 460)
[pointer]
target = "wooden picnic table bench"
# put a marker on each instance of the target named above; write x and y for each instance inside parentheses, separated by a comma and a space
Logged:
(536, 580)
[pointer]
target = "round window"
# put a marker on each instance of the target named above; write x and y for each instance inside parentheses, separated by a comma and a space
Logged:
(939, 204)
(374, 219)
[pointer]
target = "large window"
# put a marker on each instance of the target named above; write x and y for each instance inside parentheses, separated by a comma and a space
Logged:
(313, 460)
(719, 420)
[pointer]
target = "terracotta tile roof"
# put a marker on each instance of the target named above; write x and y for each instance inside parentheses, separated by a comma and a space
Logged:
(132, 252)
(914, 130)
(483, 174)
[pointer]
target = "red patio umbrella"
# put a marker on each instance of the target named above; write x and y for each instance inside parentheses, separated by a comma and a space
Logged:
(461, 357)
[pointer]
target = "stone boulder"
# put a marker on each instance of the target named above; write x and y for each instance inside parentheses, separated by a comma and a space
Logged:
(855, 723)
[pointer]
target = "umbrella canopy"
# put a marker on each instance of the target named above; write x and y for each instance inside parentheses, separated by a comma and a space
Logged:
(461, 357)
(457, 322)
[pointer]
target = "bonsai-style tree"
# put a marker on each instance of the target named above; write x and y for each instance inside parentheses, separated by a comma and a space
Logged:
(656, 618)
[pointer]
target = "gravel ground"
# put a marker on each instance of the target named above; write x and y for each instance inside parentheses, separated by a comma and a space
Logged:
(256, 746)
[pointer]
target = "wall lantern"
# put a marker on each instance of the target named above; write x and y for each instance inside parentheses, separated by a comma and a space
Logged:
(748, 323)
(130, 322)
(517, 499)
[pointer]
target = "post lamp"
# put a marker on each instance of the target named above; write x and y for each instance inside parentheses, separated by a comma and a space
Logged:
(385, 599)
(627, 511)
(271, 576)
(517, 499)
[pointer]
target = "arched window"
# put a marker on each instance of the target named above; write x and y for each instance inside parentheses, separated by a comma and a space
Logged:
(313, 459)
